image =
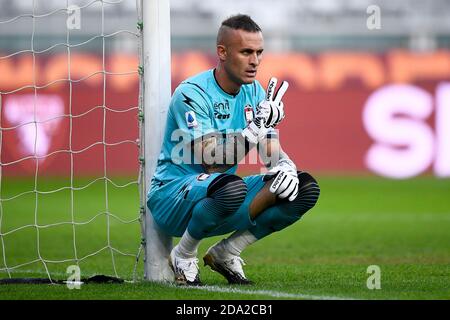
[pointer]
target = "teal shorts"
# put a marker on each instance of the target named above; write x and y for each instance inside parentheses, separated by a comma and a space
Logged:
(171, 204)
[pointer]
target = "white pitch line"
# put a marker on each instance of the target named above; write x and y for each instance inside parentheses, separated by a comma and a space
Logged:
(270, 293)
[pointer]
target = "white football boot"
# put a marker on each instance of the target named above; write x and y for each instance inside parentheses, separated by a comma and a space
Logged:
(225, 263)
(186, 270)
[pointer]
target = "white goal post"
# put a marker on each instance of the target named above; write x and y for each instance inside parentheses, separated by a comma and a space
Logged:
(157, 92)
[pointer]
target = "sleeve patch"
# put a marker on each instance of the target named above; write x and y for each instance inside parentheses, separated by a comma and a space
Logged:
(191, 120)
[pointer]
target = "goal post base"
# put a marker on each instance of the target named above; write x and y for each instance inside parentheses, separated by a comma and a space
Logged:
(157, 250)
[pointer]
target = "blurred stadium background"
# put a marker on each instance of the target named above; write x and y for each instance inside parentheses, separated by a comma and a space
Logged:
(365, 107)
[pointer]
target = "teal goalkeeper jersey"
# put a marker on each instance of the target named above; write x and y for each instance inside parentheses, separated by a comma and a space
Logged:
(200, 106)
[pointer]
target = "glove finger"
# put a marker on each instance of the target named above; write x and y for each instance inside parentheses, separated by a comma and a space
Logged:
(285, 183)
(281, 107)
(294, 194)
(271, 89)
(281, 91)
(280, 111)
(277, 182)
(276, 115)
(287, 189)
(272, 116)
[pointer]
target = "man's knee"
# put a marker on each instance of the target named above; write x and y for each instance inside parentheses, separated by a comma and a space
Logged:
(307, 196)
(228, 190)
(308, 191)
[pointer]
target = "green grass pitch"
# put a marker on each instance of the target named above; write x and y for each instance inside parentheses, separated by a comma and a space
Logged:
(401, 226)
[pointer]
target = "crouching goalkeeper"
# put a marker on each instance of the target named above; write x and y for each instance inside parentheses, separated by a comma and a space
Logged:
(199, 199)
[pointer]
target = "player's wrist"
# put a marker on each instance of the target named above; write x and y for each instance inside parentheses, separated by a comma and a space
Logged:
(286, 163)
(254, 133)
(250, 133)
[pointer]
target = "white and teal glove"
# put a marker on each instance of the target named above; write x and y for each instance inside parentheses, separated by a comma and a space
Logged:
(269, 112)
(272, 106)
(285, 183)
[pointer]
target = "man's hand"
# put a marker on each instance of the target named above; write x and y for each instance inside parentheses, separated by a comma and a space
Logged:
(269, 112)
(285, 183)
(272, 107)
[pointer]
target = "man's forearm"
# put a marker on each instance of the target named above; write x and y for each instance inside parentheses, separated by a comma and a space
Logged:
(271, 152)
(219, 153)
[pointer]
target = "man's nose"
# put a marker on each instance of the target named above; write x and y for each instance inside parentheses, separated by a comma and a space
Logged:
(254, 60)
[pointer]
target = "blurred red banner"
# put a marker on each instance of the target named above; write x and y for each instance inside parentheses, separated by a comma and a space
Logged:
(346, 112)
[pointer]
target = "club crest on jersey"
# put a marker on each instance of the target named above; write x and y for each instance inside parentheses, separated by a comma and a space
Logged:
(202, 176)
(191, 120)
(248, 112)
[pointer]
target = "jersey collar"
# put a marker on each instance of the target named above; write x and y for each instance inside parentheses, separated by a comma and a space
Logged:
(220, 89)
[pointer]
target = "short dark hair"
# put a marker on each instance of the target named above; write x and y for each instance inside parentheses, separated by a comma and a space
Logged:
(241, 22)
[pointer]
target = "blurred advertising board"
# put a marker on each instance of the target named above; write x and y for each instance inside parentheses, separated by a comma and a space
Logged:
(346, 112)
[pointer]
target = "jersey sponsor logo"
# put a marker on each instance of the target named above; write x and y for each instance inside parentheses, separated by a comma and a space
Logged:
(222, 110)
(191, 120)
(222, 116)
(248, 112)
(203, 176)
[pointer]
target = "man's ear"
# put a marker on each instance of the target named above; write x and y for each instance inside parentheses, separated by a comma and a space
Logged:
(222, 52)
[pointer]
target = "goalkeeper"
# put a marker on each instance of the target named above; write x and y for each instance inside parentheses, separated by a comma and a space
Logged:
(201, 196)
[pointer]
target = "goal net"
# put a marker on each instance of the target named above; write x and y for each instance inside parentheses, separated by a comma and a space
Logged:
(72, 157)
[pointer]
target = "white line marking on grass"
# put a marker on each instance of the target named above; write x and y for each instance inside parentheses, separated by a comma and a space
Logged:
(270, 293)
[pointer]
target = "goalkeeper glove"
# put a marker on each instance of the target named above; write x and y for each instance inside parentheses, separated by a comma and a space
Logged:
(272, 106)
(285, 184)
(269, 112)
